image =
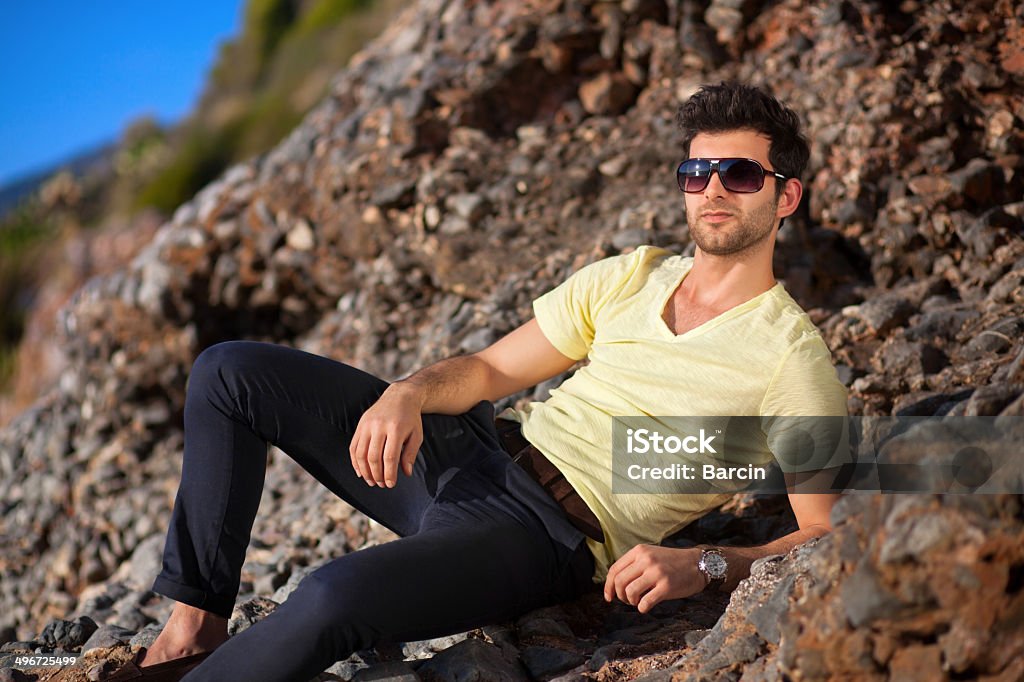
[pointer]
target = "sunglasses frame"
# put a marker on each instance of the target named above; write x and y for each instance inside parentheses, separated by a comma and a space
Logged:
(716, 167)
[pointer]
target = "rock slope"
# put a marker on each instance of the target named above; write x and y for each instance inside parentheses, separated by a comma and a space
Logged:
(467, 161)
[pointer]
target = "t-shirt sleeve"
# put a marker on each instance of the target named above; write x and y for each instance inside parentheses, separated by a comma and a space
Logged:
(804, 414)
(568, 314)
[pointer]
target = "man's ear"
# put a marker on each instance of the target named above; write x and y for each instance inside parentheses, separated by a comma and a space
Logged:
(789, 200)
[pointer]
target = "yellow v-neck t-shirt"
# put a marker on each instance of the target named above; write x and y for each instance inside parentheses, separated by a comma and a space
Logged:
(763, 357)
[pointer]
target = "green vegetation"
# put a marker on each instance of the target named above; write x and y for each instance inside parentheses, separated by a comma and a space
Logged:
(199, 159)
(267, 21)
(19, 232)
(21, 239)
(262, 85)
(327, 14)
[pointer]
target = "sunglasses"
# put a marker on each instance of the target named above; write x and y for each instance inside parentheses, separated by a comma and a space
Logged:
(743, 176)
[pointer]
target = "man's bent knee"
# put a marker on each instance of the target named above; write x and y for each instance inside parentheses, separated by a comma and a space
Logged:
(336, 605)
(216, 368)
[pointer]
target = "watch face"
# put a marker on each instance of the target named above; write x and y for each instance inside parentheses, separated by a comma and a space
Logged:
(715, 565)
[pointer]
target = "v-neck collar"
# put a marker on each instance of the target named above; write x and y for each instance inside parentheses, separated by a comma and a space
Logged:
(725, 316)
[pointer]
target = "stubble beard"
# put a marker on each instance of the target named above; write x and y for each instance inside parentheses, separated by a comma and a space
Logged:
(752, 229)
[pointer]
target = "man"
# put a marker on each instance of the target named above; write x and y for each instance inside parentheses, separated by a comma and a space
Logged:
(486, 537)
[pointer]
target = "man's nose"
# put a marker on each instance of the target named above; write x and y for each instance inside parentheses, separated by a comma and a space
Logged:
(715, 187)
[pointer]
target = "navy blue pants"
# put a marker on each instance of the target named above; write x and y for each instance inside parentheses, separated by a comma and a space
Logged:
(480, 540)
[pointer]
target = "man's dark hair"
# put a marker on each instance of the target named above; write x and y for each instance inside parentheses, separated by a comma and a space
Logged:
(736, 106)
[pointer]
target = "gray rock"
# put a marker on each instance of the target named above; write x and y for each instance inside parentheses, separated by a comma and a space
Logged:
(767, 617)
(347, 668)
(627, 238)
(101, 671)
(986, 343)
(472, 207)
(602, 655)
(132, 619)
(504, 637)
(845, 373)
(911, 537)
(390, 671)
(146, 636)
(107, 636)
(632, 635)
(744, 649)
(226, 230)
(1009, 288)
(19, 645)
(903, 358)
(991, 400)
(885, 312)
(542, 661)
(918, 405)
(298, 573)
(980, 180)
(453, 225)
(428, 647)
(544, 627)
(394, 195)
(694, 637)
(943, 323)
(478, 340)
(15, 675)
(846, 508)
(185, 214)
(269, 583)
(865, 599)
(471, 661)
(614, 166)
(764, 669)
(68, 634)
(250, 613)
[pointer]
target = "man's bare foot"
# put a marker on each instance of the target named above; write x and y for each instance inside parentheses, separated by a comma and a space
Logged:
(188, 631)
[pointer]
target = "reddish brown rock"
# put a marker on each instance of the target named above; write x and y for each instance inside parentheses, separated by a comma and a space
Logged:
(607, 93)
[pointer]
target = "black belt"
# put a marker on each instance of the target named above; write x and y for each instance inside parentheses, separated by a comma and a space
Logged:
(549, 477)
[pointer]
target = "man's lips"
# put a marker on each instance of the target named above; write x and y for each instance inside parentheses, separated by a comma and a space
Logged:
(715, 216)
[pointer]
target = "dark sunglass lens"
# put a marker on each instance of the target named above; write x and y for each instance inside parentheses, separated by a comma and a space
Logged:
(742, 175)
(693, 175)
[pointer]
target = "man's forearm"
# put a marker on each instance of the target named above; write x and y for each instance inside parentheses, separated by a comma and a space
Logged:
(740, 558)
(451, 386)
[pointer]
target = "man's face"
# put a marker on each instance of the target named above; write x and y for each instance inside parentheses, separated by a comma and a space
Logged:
(726, 223)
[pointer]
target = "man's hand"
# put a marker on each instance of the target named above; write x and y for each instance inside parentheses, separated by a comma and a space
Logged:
(388, 434)
(649, 574)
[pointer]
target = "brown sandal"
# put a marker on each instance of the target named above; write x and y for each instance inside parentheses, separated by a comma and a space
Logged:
(168, 671)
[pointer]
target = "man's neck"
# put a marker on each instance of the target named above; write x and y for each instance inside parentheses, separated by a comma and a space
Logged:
(725, 281)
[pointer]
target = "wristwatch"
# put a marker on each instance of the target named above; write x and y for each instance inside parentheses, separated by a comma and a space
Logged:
(713, 565)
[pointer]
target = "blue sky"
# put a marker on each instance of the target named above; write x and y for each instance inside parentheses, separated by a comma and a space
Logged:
(74, 73)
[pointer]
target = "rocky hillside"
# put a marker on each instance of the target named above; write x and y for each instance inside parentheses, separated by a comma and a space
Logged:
(56, 228)
(471, 158)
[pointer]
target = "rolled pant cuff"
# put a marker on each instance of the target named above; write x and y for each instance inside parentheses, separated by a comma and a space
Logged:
(215, 604)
